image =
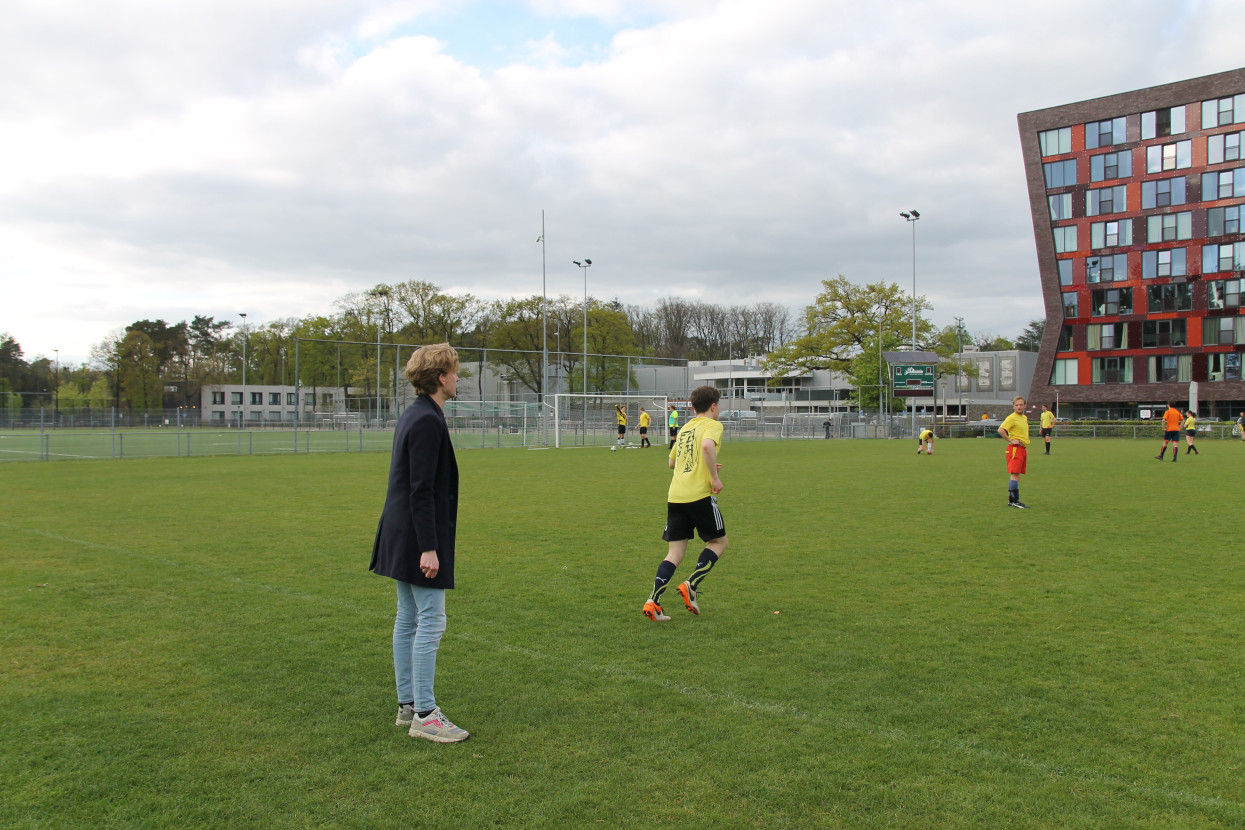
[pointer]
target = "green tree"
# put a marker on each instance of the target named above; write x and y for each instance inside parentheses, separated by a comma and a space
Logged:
(1030, 340)
(139, 372)
(845, 321)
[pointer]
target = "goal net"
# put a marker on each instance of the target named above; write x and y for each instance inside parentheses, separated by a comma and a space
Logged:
(591, 420)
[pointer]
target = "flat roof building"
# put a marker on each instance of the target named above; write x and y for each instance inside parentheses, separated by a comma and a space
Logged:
(1136, 202)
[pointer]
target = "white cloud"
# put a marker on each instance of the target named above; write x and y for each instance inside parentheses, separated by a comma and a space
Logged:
(165, 160)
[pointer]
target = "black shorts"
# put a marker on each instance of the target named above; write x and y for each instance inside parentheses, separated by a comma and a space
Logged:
(622, 429)
(702, 516)
(674, 432)
(1046, 431)
(1171, 435)
(644, 430)
(1192, 433)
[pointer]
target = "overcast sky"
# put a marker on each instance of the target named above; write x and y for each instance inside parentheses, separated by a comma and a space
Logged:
(164, 159)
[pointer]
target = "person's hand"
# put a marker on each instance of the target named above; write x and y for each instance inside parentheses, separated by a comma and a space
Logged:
(429, 564)
(716, 484)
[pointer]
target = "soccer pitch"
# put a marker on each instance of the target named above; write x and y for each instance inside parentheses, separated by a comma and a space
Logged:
(197, 643)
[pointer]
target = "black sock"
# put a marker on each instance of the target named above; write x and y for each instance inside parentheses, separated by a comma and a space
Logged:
(664, 572)
(703, 565)
(422, 715)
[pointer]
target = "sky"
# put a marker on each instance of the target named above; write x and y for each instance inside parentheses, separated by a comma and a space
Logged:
(215, 157)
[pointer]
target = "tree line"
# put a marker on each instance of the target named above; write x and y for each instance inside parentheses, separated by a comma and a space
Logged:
(151, 364)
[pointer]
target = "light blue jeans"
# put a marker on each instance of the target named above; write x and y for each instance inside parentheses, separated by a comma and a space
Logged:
(417, 634)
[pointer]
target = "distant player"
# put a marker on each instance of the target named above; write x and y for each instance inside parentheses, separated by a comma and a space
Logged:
(620, 413)
(1190, 432)
(1048, 426)
(1015, 429)
(1240, 426)
(925, 441)
(1171, 432)
(644, 422)
(672, 424)
(692, 506)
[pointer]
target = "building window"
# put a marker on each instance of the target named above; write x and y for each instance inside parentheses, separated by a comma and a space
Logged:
(1223, 221)
(1111, 166)
(1055, 142)
(326, 398)
(291, 399)
(1224, 184)
(1224, 366)
(309, 399)
(1113, 370)
(1105, 133)
(257, 399)
(1060, 206)
(1065, 272)
(1219, 258)
(1064, 373)
(1163, 193)
(1169, 121)
(1065, 239)
(1106, 200)
(235, 398)
(1070, 305)
(1168, 263)
(1171, 297)
(1112, 301)
(274, 398)
(1065, 339)
(1221, 331)
(218, 398)
(1169, 368)
(1106, 268)
(1175, 156)
(1108, 336)
(1156, 334)
(1060, 173)
(1223, 294)
(1168, 227)
(1221, 111)
(1223, 147)
(1111, 234)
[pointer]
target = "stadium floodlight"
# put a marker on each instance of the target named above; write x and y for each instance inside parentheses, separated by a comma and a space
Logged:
(242, 412)
(911, 220)
(584, 265)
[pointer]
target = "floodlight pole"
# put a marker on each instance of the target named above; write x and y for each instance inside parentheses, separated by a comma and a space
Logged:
(911, 218)
(585, 265)
(242, 412)
(544, 323)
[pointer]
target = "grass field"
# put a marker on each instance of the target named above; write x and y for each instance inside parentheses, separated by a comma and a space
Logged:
(197, 643)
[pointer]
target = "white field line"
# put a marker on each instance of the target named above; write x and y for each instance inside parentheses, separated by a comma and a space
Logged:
(609, 671)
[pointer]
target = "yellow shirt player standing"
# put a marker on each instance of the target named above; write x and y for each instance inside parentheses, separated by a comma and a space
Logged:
(692, 505)
(1190, 432)
(1015, 429)
(645, 420)
(620, 413)
(1048, 426)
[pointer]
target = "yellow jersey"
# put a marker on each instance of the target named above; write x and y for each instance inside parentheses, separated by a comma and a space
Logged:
(621, 414)
(926, 434)
(1190, 424)
(1017, 427)
(1048, 419)
(692, 480)
(644, 419)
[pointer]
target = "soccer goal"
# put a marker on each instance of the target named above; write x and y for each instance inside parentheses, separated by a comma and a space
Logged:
(591, 420)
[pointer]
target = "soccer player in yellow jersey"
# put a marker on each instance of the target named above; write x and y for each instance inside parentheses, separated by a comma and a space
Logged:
(691, 505)
(1048, 426)
(1015, 429)
(621, 413)
(645, 420)
(1190, 432)
(672, 422)
(925, 441)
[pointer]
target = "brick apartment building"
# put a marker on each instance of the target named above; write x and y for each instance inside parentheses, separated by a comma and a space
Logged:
(1136, 201)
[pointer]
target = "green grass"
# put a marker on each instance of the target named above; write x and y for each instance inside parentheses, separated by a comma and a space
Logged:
(197, 643)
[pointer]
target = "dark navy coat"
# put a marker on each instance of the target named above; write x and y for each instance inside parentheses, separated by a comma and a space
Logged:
(421, 505)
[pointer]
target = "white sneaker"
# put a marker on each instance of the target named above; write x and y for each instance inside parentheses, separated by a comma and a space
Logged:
(437, 727)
